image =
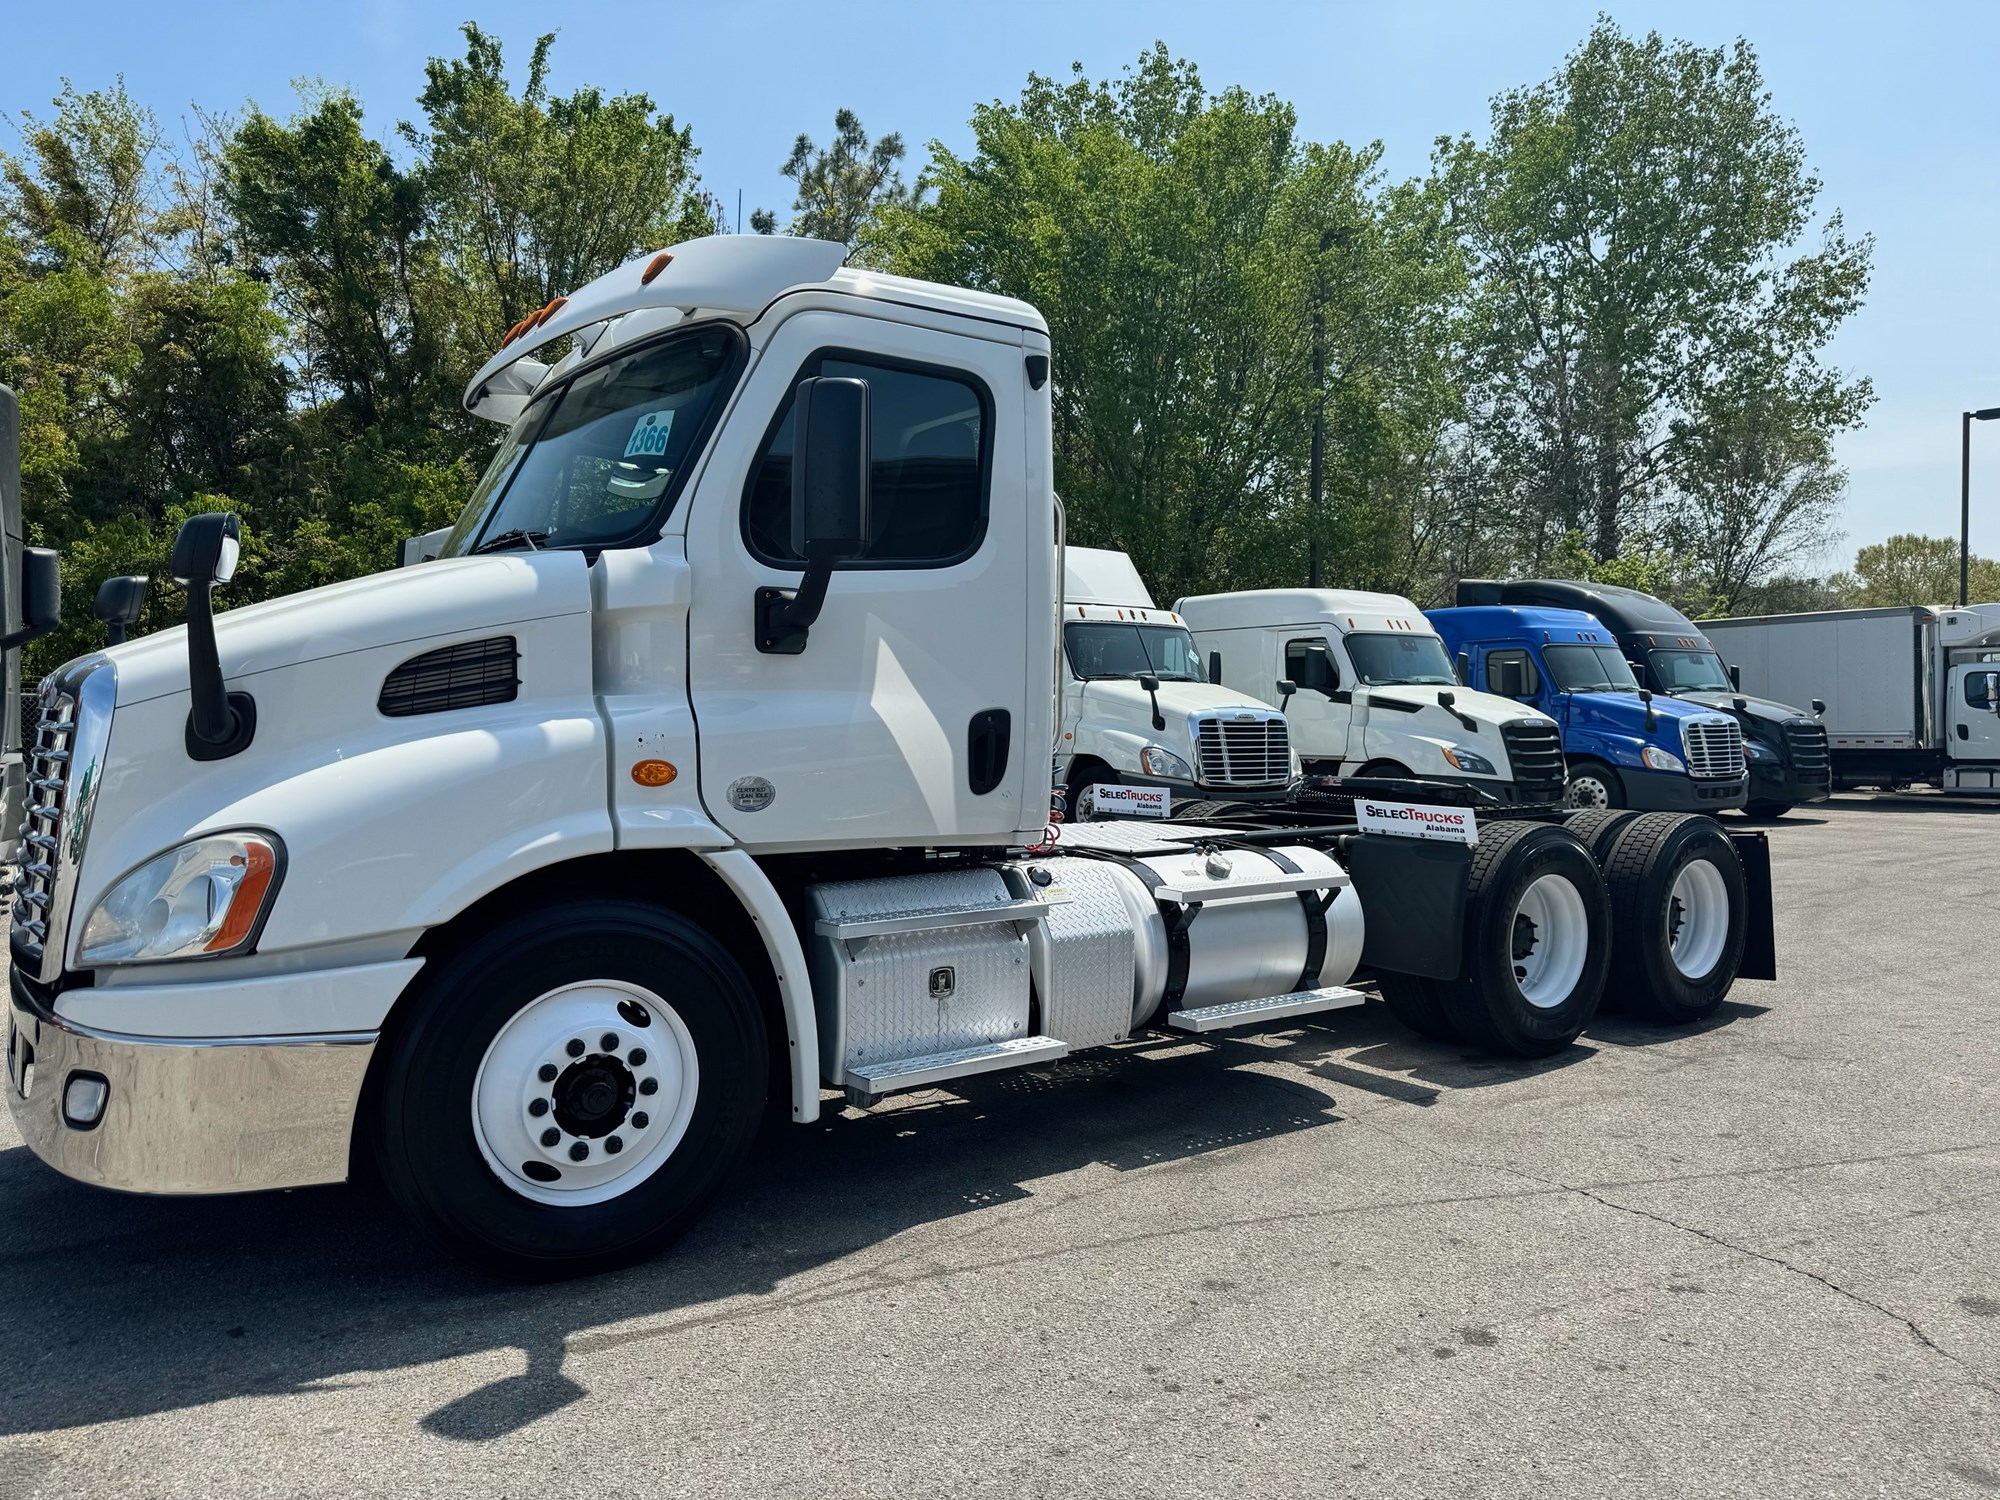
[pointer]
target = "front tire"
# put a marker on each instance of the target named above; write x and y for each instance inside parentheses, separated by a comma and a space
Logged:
(1593, 787)
(1766, 812)
(567, 1099)
(1679, 916)
(1537, 941)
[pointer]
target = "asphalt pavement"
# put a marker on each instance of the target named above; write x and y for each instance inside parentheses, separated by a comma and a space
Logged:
(1758, 1257)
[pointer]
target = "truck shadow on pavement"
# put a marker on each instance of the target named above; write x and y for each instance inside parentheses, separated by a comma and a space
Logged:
(128, 1306)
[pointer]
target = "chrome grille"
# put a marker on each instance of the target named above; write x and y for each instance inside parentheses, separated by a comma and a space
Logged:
(64, 759)
(1714, 747)
(1242, 752)
(1811, 761)
(1535, 757)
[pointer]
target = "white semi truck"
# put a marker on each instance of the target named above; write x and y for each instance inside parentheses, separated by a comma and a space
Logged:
(708, 765)
(1912, 695)
(1370, 690)
(1139, 713)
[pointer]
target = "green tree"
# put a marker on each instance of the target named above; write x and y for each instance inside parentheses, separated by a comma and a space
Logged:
(1912, 569)
(1635, 225)
(843, 187)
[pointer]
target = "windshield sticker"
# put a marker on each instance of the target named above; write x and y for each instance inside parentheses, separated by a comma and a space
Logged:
(649, 434)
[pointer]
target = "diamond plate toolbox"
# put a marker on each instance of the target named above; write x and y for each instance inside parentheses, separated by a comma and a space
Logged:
(917, 964)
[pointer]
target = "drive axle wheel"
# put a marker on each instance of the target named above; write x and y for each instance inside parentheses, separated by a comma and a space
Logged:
(1679, 915)
(566, 1098)
(1414, 1000)
(1537, 929)
(1599, 828)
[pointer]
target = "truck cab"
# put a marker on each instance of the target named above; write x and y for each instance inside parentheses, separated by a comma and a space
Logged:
(1626, 747)
(1138, 708)
(1786, 746)
(1375, 693)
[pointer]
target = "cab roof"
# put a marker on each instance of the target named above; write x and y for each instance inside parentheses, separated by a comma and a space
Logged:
(1627, 611)
(1537, 623)
(1343, 609)
(733, 276)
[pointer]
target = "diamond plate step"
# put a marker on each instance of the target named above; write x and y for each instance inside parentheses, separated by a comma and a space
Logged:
(1272, 1008)
(934, 1067)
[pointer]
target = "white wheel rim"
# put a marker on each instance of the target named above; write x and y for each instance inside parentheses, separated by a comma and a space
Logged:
(1588, 792)
(537, 1097)
(1697, 919)
(1551, 941)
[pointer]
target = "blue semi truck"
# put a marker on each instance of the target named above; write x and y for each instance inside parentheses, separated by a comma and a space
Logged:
(1625, 747)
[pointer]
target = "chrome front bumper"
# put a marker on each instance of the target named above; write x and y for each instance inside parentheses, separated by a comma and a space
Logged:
(199, 1115)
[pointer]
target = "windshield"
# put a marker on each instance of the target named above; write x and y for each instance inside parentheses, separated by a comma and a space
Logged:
(1386, 660)
(1590, 669)
(1107, 648)
(599, 460)
(1691, 671)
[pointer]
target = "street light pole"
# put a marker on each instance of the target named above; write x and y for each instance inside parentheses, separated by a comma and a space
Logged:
(1316, 471)
(1966, 419)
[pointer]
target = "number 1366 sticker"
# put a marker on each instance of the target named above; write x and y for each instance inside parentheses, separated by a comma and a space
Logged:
(649, 435)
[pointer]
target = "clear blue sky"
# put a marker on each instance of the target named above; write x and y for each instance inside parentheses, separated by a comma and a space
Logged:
(1898, 105)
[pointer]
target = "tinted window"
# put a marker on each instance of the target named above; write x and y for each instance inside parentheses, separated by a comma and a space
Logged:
(600, 459)
(1982, 689)
(1690, 671)
(1590, 669)
(1109, 648)
(927, 478)
(1381, 660)
(1310, 665)
(1512, 674)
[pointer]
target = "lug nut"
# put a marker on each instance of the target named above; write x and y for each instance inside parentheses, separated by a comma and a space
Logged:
(613, 1144)
(551, 1136)
(608, 1042)
(579, 1151)
(649, 1085)
(546, 1072)
(638, 1058)
(538, 1107)
(576, 1046)
(641, 1120)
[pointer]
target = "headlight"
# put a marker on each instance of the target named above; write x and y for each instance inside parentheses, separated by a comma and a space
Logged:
(1754, 751)
(1662, 760)
(1157, 762)
(203, 899)
(1468, 760)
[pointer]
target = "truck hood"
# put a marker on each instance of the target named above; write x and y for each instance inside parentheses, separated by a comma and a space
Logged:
(1625, 711)
(452, 599)
(1753, 708)
(1486, 708)
(1184, 699)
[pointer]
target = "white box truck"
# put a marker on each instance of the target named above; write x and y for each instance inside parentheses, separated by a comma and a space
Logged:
(1374, 692)
(1912, 694)
(708, 765)
(1139, 713)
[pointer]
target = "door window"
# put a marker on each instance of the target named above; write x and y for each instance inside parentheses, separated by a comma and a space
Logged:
(930, 438)
(1311, 666)
(1982, 690)
(1511, 674)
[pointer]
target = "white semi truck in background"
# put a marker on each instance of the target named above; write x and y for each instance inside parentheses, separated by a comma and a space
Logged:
(1139, 712)
(1912, 694)
(709, 764)
(1374, 693)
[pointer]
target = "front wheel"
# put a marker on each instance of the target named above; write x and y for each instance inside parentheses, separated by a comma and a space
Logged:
(1766, 812)
(1593, 787)
(567, 1100)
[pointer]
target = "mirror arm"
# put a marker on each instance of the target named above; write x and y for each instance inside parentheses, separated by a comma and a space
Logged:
(220, 723)
(785, 617)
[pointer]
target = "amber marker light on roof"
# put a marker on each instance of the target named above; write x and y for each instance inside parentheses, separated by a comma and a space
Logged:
(660, 263)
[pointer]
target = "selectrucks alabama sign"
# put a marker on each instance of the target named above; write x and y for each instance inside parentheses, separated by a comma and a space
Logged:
(1132, 801)
(1415, 821)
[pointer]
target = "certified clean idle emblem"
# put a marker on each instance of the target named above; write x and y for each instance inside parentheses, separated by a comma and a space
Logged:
(751, 794)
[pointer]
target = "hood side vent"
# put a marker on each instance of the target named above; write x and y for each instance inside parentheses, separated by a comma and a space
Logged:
(468, 675)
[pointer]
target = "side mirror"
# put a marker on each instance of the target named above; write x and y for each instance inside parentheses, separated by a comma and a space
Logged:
(1506, 679)
(1652, 719)
(1464, 665)
(1150, 685)
(41, 597)
(1819, 708)
(1736, 677)
(1286, 687)
(1215, 668)
(119, 604)
(830, 469)
(220, 723)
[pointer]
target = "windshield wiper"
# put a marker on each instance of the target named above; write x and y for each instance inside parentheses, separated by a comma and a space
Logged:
(508, 540)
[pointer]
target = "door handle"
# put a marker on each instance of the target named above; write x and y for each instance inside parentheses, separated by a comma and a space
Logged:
(986, 742)
(1964, 733)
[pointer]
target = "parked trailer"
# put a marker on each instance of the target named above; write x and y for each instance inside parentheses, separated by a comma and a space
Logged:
(1912, 694)
(708, 763)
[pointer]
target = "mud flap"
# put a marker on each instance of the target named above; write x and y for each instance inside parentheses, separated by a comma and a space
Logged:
(1760, 937)
(1413, 901)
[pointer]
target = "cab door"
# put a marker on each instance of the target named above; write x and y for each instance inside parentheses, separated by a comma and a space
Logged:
(1321, 711)
(1974, 715)
(902, 719)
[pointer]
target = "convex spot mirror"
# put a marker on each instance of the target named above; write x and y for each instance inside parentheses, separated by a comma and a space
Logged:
(206, 549)
(119, 604)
